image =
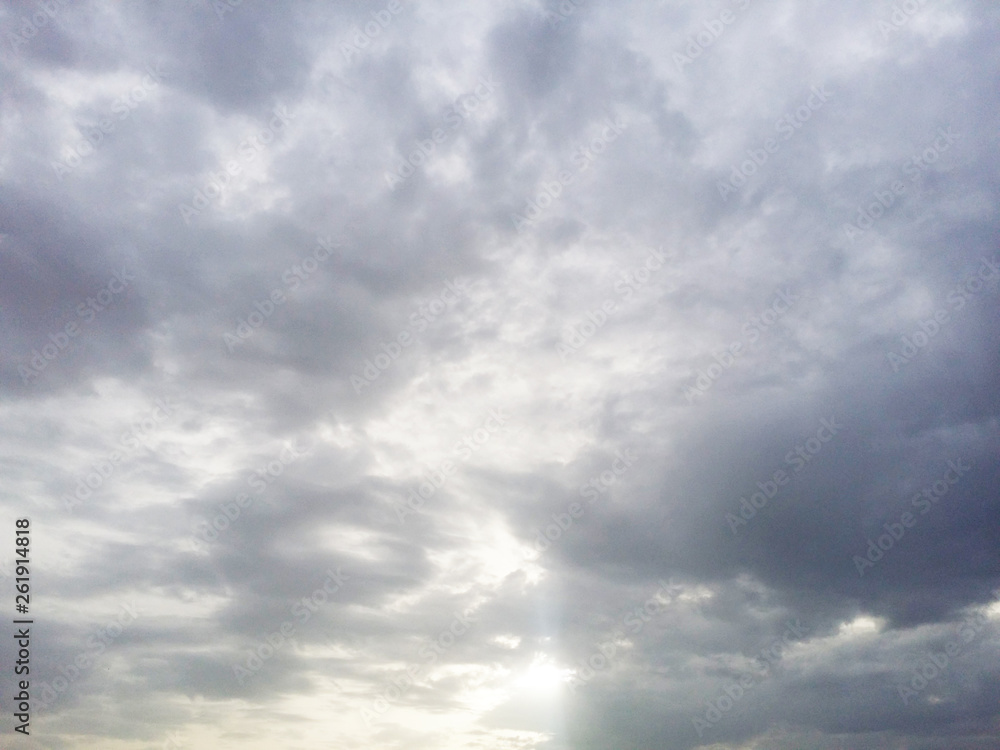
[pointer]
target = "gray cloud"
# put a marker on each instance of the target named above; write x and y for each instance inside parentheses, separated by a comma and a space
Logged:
(735, 331)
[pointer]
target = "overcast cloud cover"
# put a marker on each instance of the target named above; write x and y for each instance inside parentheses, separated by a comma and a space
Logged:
(524, 375)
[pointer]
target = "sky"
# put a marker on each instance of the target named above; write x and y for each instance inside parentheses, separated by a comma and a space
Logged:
(525, 375)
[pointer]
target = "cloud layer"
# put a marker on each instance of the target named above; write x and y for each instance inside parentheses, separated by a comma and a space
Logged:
(546, 375)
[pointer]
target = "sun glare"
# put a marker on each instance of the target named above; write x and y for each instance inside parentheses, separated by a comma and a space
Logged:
(544, 676)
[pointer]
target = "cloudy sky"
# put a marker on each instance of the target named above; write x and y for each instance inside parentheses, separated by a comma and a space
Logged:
(526, 375)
